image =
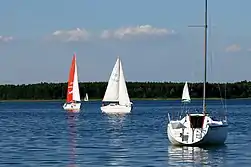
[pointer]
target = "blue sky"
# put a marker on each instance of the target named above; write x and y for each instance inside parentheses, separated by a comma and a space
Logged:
(38, 38)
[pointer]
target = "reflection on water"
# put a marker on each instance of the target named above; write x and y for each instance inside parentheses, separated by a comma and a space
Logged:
(187, 155)
(118, 149)
(195, 156)
(71, 119)
(116, 121)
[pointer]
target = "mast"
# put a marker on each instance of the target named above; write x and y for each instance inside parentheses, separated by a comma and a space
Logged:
(205, 60)
(205, 26)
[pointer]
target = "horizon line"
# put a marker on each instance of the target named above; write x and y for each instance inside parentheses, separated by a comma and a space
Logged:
(175, 82)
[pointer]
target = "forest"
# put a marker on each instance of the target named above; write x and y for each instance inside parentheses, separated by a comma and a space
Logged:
(136, 90)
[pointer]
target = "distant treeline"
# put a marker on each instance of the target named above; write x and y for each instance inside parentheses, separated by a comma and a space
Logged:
(96, 90)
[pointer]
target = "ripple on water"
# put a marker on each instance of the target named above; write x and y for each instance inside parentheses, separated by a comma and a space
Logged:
(42, 134)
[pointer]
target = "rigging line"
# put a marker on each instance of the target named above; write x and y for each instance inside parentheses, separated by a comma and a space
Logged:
(226, 96)
(211, 56)
(210, 45)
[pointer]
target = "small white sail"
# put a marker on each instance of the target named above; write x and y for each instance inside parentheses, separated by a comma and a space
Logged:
(112, 93)
(185, 94)
(123, 94)
(76, 94)
(86, 97)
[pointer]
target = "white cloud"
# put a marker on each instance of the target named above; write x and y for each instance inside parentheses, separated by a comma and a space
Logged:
(6, 38)
(136, 31)
(233, 48)
(72, 35)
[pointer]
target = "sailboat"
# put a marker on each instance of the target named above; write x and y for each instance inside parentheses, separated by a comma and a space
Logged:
(198, 129)
(73, 101)
(86, 97)
(116, 98)
(185, 95)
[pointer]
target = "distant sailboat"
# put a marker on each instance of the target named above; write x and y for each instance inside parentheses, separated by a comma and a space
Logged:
(185, 98)
(185, 94)
(86, 97)
(73, 101)
(197, 129)
(116, 98)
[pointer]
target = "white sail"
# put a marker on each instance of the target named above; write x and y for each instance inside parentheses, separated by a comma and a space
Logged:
(123, 94)
(76, 94)
(112, 93)
(86, 97)
(185, 94)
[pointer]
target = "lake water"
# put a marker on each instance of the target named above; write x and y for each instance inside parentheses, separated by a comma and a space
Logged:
(42, 134)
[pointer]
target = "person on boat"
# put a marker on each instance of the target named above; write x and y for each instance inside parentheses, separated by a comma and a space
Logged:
(74, 101)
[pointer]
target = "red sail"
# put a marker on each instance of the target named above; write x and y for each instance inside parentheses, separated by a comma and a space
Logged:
(70, 80)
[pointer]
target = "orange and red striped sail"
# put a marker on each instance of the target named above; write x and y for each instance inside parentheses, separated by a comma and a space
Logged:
(71, 79)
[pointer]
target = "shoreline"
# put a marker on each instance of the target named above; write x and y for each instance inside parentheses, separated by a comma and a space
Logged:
(137, 99)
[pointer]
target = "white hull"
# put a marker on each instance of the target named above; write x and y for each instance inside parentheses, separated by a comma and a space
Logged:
(212, 133)
(116, 109)
(73, 107)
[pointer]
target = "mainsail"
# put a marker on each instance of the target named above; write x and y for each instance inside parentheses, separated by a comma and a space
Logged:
(111, 93)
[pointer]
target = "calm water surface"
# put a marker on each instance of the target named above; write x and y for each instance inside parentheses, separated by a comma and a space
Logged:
(42, 134)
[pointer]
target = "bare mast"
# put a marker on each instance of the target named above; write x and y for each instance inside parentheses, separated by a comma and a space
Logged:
(205, 26)
(205, 60)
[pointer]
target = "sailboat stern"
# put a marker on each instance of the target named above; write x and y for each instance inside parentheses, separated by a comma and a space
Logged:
(196, 130)
(182, 136)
